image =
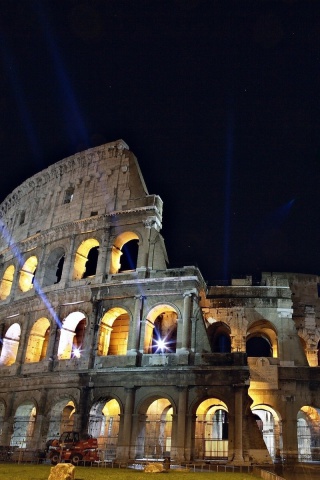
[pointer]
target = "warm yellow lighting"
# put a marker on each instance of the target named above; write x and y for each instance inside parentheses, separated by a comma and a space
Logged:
(27, 274)
(6, 282)
(81, 257)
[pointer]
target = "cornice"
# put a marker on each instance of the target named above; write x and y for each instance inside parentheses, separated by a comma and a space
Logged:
(57, 170)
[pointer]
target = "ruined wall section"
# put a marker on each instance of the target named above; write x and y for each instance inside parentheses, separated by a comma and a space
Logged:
(305, 290)
(97, 181)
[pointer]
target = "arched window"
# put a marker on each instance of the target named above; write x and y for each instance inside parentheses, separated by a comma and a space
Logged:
(6, 282)
(54, 267)
(113, 333)
(211, 430)
(155, 429)
(23, 427)
(161, 330)
(258, 346)
(38, 341)
(72, 336)
(27, 274)
(219, 337)
(262, 340)
(86, 259)
(124, 252)
(104, 419)
(10, 345)
(61, 418)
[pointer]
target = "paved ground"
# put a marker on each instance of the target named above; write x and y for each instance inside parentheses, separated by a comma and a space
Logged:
(302, 472)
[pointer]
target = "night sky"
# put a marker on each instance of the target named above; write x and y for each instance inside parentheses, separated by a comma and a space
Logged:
(219, 100)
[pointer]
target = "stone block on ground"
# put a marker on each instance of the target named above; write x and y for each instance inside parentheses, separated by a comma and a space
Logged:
(153, 468)
(62, 471)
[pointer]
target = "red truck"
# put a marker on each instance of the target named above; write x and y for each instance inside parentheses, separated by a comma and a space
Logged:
(73, 447)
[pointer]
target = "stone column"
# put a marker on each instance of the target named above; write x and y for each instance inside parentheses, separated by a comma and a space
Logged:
(66, 276)
(8, 421)
(186, 328)
(102, 259)
(52, 347)
(179, 454)
(238, 427)
(15, 288)
(289, 431)
(41, 424)
(134, 334)
(138, 430)
(23, 340)
(124, 441)
(109, 250)
(186, 321)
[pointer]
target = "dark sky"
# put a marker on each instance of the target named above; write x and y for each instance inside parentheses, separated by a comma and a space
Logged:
(219, 100)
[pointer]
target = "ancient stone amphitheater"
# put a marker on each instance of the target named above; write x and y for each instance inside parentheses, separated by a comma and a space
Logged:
(99, 336)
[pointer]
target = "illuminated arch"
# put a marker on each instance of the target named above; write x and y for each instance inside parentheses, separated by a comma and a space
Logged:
(211, 430)
(269, 423)
(6, 282)
(308, 433)
(54, 267)
(155, 429)
(61, 418)
(23, 427)
(27, 274)
(119, 249)
(86, 259)
(113, 332)
(262, 340)
(161, 330)
(104, 421)
(38, 341)
(72, 336)
(10, 345)
(219, 337)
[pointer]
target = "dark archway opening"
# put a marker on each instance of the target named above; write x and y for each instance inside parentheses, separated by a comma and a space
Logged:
(129, 255)
(59, 269)
(91, 264)
(258, 347)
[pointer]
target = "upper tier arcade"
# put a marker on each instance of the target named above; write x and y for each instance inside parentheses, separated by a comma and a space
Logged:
(87, 216)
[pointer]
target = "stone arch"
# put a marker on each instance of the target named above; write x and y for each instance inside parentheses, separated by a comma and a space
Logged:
(113, 332)
(262, 340)
(72, 336)
(104, 420)
(308, 433)
(161, 329)
(54, 267)
(211, 429)
(38, 341)
(124, 253)
(23, 426)
(6, 282)
(86, 259)
(61, 417)
(27, 274)
(155, 427)
(269, 424)
(10, 345)
(219, 337)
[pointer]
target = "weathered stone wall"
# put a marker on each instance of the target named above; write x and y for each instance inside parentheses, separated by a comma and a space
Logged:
(56, 329)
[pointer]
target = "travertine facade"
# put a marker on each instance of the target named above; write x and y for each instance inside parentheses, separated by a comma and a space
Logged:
(100, 336)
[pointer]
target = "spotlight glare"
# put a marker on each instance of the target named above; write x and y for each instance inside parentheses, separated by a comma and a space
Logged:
(161, 344)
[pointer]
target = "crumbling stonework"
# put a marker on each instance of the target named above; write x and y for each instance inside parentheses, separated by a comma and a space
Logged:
(99, 336)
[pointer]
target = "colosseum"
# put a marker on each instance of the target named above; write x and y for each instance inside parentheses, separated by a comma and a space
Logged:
(101, 337)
